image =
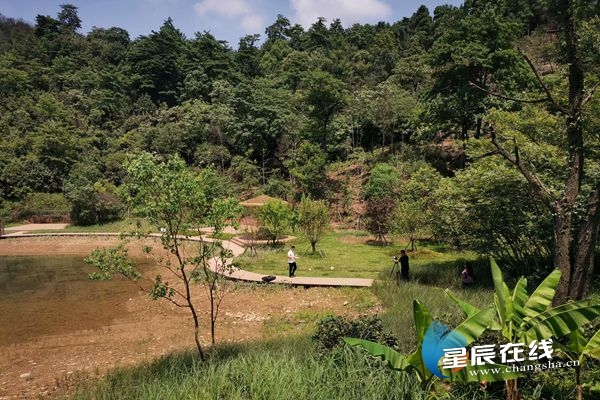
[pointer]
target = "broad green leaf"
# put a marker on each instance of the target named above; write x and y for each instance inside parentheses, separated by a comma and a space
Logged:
(473, 327)
(519, 298)
(495, 326)
(422, 319)
(576, 343)
(592, 348)
(542, 296)
(415, 359)
(502, 296)
(560, 321)
(467, 308)
(394, 359)
(572, 305)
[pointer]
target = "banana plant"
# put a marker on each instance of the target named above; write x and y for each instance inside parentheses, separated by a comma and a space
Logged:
(523, 318)
(577, 349)
(469, 330)
(519, 316)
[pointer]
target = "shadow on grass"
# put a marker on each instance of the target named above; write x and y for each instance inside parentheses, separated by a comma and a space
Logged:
(446, 274)
(379, 243)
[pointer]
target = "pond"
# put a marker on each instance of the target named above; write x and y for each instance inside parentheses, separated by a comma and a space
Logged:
(53, 295)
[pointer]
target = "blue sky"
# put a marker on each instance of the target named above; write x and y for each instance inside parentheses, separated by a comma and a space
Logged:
(225, 19)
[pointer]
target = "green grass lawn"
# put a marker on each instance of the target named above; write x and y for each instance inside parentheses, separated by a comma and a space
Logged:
(347, 254)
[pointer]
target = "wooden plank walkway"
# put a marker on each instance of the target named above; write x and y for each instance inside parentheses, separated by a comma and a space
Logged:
(233, 273)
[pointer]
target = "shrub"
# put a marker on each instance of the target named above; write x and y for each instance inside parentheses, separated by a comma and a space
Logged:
(331, 330)
(41, 207)
(275, 216)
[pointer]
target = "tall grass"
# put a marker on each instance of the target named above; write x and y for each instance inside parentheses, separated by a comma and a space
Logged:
(280, 370)
(398, 303)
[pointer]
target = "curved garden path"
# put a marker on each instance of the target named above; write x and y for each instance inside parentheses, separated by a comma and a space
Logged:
(233, 273)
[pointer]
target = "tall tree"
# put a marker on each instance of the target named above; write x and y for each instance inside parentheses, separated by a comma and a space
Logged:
(325, 95)
(69, 18)
(279, 30)
(208, 60)
(475, 46)
(155, 60)
(575, 204)
(248, 56)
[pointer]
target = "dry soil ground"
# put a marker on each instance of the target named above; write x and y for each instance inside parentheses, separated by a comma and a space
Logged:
(131, 328)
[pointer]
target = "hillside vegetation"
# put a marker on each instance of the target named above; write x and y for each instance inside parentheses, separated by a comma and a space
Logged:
(474, 125)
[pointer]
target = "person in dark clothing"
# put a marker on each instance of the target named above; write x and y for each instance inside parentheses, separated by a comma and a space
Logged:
(403, 265)
(468, 276)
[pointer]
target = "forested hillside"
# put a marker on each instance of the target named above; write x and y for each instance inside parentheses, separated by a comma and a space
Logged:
(436, 98)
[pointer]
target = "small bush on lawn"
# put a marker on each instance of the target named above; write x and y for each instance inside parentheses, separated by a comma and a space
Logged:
(331, 330)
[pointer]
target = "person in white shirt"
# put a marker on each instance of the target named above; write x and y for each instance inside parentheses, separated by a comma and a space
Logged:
(292, 261)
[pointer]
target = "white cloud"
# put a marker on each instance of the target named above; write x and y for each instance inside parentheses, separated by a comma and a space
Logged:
(349, 11)
(231, 12)
(253, 23)
(227, 8)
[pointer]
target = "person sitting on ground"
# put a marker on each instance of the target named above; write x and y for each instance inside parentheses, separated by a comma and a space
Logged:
(468, 276)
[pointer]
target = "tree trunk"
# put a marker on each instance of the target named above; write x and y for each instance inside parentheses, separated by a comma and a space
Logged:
(188, 295)
(562, 260)
(213, 317)
(194, 316)
(464, 133)
(196, 332)
(314, 246)
(478, 128)
(583, 269)
(511, 390)
(564, 216)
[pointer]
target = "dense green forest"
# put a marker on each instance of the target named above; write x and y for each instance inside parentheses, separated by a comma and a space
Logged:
(462, 124)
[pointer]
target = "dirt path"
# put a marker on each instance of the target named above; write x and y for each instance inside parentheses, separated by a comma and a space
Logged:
(142, 329)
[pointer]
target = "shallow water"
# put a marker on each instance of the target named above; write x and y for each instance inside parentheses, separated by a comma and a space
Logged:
(53, 295)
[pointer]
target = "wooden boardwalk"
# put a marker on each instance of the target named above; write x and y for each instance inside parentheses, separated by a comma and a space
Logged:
(233, 273)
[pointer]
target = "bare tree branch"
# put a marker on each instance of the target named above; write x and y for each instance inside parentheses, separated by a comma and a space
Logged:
(175, 303)
(505, 97)
(590, 94)
(485, 155)
(539, 188)
(549, 96)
